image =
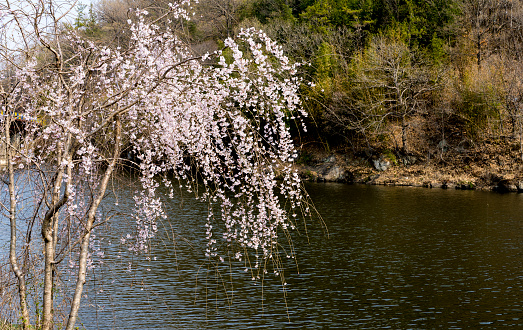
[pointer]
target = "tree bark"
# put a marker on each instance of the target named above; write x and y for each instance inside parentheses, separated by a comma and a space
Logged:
(49, 235)
(22, 291)
(404, 127)
(84, 249)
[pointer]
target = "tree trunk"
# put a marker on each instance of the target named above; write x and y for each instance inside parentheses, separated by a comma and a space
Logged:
(22, 291)
(49, 234)
(404, 127)
(84, 249)
(520, 140)
(478, 44)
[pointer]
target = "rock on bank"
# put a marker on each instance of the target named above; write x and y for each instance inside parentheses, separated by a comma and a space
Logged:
(387, 169)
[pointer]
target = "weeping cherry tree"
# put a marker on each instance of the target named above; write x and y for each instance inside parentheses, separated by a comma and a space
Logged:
(218, 121)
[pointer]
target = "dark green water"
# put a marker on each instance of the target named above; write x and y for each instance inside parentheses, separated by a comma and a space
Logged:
(400, 258)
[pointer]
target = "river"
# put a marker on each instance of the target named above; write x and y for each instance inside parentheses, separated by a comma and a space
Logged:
(393, 258)
(399, 258)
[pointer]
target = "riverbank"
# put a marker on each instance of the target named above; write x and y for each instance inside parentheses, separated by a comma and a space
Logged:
(495, 170)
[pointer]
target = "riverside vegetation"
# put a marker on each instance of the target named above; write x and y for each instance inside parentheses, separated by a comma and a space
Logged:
(432, 89)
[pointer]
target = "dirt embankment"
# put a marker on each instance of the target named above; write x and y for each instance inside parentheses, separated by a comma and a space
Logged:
(493, 168)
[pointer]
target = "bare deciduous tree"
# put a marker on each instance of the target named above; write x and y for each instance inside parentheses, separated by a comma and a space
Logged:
(490, 24)
(390, 84)
(217, 18)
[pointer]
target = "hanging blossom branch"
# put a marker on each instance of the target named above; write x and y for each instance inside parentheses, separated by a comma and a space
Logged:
(223, 126)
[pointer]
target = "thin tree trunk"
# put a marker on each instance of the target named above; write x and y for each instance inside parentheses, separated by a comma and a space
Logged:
(478, 55)
(49, 251)
(84, 249)
(520, 139)
(12, 217)
(404, 127)
(49, 235)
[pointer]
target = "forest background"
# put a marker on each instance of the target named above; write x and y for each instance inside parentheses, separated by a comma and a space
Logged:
(396, 92)
(428, 90)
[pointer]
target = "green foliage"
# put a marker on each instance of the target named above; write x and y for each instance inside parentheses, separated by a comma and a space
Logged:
(475, 107)
(227, 54)
(399, 33)
(345, 91)
(480, 101)
(329, 13)
(423, 18)
(299, 6)
(386, 61)
(437, 51)
(87, 23)
(319, 93)
(325, 64)
(80, 20)
(266, 11)
(390, 156)
(315, 101)
(305, 158)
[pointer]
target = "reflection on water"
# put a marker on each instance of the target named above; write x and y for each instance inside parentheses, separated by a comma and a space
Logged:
(419, 258)
(395, 258)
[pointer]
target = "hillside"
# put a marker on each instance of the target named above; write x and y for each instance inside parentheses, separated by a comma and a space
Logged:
(435, 87)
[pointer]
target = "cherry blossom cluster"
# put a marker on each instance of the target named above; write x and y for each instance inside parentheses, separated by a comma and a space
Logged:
(218, 121)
